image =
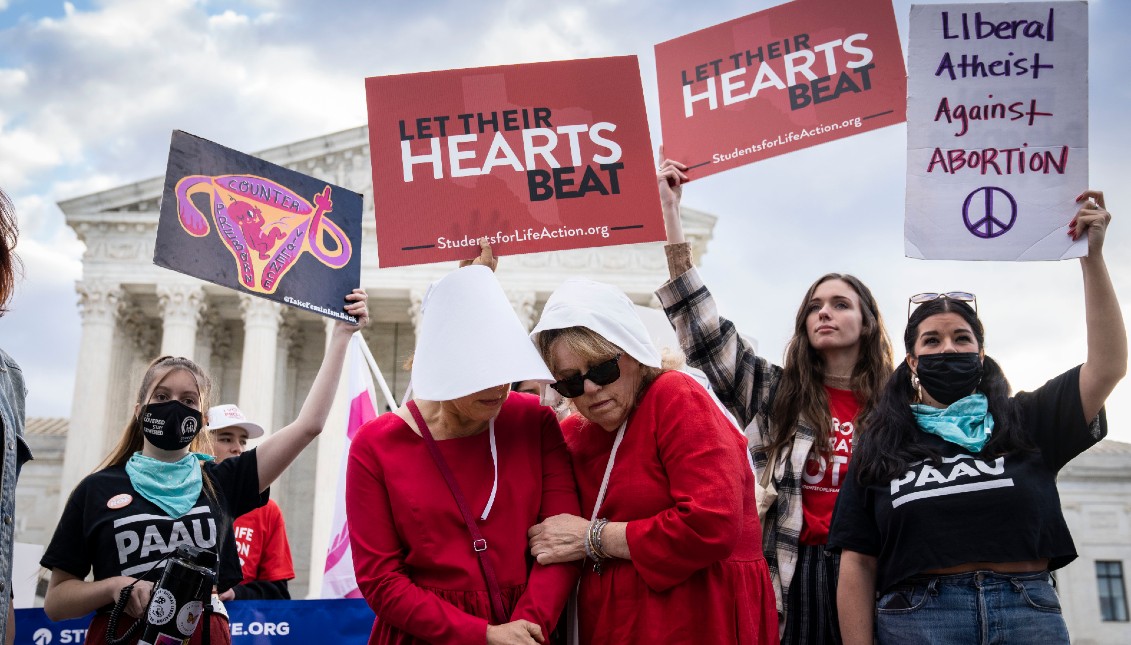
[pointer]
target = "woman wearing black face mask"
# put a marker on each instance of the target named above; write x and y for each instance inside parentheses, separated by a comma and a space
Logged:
(950, 512)
(158, 490)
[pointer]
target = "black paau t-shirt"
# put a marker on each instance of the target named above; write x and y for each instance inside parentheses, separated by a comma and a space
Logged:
(966, 509)
(110, 527)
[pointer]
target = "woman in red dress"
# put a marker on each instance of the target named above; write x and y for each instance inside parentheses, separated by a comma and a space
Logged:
(417, 561)
(671, 527)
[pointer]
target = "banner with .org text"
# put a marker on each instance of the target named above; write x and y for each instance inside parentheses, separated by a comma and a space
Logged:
(797, 75)
(534, 157)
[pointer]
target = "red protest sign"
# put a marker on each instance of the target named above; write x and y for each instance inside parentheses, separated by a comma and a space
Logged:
(535, 157)
(779, 80)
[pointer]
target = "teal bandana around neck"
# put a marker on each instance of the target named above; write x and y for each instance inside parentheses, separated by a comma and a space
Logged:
(173, 486)
(966, 422)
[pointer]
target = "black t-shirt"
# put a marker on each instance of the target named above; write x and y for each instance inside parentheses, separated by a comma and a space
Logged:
(108, 526)
(1004, 509)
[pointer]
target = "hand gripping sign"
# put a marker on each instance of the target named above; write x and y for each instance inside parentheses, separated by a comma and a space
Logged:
(219, 204)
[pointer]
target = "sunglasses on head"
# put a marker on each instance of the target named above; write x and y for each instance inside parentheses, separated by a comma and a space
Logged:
(601, 374)
(961, 296)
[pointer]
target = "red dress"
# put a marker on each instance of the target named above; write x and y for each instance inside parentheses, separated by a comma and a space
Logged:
(411, 549)
(683, 482)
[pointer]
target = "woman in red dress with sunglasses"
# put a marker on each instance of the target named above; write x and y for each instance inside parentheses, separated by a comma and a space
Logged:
(670, 527)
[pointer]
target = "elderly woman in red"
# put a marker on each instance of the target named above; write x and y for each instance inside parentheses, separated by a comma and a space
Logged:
(440, 493)
(671, 524)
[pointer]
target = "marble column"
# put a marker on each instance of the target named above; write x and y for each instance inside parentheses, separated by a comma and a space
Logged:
(523, 303)
(416, 302)
(260, 349)
(181, 308)
(89, 428)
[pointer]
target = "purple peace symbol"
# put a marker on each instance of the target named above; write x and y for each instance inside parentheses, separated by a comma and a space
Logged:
(986, 214)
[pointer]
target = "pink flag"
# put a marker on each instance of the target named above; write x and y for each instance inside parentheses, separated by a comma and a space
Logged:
(338, 580)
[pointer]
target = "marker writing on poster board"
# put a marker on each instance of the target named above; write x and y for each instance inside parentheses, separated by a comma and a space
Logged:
(975, 66)
(542, 145)
(817, 65)
(1013, 160)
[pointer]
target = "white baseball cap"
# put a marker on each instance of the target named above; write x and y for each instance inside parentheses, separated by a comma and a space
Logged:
(229, 415)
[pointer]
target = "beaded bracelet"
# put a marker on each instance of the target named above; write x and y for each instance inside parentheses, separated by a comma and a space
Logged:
(599, 547)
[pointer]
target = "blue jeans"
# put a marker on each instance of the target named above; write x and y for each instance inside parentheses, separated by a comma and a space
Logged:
(981, 607)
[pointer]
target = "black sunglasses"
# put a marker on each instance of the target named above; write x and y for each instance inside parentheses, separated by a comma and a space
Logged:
(961, 296)
(600, 374)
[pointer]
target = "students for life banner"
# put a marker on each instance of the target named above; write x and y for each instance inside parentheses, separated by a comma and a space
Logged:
(338, 580)
(997, 130)
(534, 157)
(793, 76)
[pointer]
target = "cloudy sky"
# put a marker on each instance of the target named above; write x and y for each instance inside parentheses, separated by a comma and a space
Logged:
(89, 92)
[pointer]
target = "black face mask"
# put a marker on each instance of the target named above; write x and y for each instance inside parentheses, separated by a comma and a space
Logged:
(948, 377)
(170, 425)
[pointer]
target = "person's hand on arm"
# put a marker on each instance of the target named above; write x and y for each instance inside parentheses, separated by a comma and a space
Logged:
(518, 632)
(856, 597)
(280, 449)
(562, 538)
(1106, 364)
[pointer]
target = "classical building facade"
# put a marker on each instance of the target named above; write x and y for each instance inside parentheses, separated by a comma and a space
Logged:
(261, 355)
(264, 357)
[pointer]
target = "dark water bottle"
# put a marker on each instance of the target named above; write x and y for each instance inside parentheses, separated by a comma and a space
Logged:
(179, 597)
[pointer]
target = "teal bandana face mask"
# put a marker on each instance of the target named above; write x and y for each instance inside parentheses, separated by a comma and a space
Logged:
(966, 422)
(173, 486)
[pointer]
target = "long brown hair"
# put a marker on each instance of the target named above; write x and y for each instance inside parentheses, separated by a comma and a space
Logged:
(801, 393)
(132, 439)
(10, 264)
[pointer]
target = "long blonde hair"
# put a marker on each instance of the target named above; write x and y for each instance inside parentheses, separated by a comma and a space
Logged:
(132, 439)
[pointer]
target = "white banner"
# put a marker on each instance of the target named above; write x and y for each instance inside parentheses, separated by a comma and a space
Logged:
(338, 580)
(997, 130)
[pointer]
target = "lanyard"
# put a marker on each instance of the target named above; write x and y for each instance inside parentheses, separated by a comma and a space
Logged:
(478, 543)
(608, 471)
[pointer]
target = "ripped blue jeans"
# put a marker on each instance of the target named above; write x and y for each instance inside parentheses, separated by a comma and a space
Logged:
(979, 607)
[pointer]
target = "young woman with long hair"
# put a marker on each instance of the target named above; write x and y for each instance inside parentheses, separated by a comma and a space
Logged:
(950, 511)
(159, 489)
(799, 418)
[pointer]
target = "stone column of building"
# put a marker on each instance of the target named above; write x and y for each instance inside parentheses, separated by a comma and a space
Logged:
(137, 344)
(181, 307)
(523, 303)
(416, 303)
(206, 329)
(260, 349)
(98, 306)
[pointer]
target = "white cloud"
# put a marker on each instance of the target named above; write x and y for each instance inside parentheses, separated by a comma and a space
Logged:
(88, 100)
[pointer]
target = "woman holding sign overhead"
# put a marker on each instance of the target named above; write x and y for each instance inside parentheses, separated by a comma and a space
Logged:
(799, 418)
(160, 490)
(950, 511)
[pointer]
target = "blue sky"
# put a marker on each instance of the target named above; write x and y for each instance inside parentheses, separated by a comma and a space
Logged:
(89, 92)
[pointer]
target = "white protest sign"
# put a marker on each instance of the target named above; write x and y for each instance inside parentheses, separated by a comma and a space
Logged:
(997, 130)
